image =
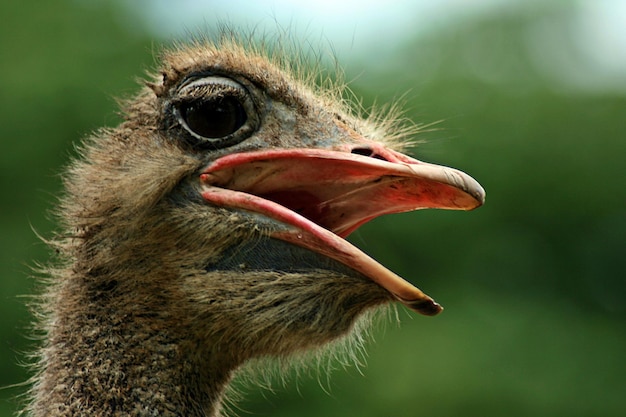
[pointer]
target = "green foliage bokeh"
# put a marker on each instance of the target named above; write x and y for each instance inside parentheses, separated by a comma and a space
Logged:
(533, 281)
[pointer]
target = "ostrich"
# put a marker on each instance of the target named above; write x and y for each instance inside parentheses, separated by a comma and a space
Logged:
(208, 229)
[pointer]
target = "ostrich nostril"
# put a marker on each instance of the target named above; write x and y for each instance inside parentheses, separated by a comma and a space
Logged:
(366, 151)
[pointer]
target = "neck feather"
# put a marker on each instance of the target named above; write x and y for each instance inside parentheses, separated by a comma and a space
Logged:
(109, 355)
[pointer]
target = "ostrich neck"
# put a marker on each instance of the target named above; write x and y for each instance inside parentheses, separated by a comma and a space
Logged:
(112, 355)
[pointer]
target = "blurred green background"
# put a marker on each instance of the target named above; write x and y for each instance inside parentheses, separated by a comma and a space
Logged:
(533, 282)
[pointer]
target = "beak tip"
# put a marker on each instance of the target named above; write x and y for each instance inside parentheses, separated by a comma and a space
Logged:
(481, 195)
(427, 307)
(478, 194)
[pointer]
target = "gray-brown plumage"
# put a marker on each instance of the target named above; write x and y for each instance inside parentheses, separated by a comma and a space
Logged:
(207, 229)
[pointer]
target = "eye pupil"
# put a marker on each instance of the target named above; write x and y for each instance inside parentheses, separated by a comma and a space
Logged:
(215, 118)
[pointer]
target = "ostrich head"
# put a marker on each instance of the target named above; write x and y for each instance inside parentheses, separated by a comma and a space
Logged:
(209, 228)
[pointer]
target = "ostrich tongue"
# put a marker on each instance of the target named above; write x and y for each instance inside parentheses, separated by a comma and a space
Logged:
(318, 197)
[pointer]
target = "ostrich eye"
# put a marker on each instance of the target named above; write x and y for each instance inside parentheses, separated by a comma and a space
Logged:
(214, 118)
(216, 111)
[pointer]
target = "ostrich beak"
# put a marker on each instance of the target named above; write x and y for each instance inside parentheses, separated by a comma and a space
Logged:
(317, 197)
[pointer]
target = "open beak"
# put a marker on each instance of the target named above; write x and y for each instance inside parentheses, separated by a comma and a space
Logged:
(317, 197)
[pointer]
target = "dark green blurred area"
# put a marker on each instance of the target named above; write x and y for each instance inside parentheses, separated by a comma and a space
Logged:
(533, 282)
